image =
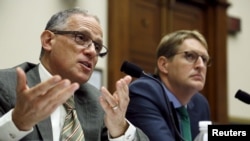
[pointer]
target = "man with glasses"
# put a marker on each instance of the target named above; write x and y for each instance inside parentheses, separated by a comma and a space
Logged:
(158, 101)
(53, 100)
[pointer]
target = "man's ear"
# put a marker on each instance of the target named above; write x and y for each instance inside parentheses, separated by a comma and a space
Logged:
(46, 39)
(163, 63)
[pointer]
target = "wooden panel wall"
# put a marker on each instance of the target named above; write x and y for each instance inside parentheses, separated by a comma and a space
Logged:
(136, 27)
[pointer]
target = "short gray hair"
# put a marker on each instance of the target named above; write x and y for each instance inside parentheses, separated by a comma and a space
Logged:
(58, 21)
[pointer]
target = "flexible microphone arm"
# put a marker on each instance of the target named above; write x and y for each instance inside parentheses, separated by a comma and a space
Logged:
(135, 71)
(243, 96)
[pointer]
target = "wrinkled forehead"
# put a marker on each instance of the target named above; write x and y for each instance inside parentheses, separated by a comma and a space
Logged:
(89, 24)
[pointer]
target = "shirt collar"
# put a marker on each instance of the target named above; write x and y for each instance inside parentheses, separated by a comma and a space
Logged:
(44, 74)
(171, 97)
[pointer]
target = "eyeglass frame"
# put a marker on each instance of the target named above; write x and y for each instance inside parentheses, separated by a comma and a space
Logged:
(76, 33)
(208, 63)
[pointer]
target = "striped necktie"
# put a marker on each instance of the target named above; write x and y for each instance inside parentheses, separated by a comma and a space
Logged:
(72, 130)
(185, 123)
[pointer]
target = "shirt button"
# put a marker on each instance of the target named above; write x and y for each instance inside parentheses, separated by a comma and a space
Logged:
(13, 136)
(128, 137)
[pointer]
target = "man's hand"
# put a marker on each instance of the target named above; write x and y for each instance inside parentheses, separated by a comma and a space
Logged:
(115, 107)
(37, 103)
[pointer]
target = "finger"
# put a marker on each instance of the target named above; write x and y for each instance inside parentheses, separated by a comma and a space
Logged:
(106, 106)
(45, 86)
(21, 80)
(122, 91)
(103, 103)
(128, 79)
(122, 84)
(109, 98)
(59, 94)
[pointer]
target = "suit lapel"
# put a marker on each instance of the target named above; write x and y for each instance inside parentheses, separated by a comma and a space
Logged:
(44, 128)
(89, 111)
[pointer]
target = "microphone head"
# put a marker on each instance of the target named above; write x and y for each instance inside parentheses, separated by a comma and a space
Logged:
(243, 96)
(131, 69)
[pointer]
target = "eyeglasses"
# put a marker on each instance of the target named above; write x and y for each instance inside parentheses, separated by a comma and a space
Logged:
(192, 57)
(85, 41)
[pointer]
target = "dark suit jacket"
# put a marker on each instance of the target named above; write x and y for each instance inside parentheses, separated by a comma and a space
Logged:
(148, 110)
(89, 111)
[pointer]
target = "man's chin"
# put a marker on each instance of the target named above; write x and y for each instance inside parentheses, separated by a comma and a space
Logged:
(199, 86)
(82, 79)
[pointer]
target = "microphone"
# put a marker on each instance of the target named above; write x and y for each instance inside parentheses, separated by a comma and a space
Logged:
(131, 69)
(243, 96)
(135, 71)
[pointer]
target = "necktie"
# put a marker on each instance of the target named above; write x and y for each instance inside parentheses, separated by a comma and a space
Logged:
(185, 123)
(72, 130)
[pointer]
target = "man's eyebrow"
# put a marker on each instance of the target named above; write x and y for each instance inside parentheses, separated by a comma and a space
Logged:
(87, 32)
